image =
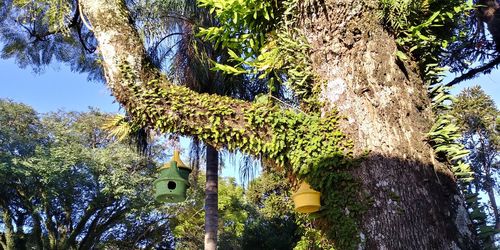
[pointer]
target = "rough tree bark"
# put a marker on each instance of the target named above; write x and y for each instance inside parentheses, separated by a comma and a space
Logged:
(415, 201)
(416, 204)
(211, 198)
(489, 13)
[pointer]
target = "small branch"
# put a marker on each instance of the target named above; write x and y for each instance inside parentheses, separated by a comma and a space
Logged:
(170, 50)
(82, 17)
(178, 16)
(167, 36)
(473, 72)
(82, 41)
(287, 105)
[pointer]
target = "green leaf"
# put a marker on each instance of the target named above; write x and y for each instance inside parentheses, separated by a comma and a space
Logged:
(401, 55)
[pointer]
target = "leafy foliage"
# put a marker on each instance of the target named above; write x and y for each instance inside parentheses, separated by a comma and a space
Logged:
(450, 33)
(75, 187)
(306, 146)
(35, 33)
(241, 225)
(315, 150)
(267, 45)
(444, 136)
(274, 224)
(20, 133)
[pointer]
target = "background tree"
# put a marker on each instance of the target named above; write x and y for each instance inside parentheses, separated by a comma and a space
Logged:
(20, 134)
(255, 219)
(272, 222)
(188, 218)
(476, 115)
(74, 187)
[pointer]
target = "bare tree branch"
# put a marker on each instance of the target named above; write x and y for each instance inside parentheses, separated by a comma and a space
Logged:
(474, 72)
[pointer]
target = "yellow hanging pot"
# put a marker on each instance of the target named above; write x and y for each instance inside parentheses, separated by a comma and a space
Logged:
(306, 199)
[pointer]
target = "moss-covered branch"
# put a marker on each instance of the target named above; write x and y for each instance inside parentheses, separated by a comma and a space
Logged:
(285, 136)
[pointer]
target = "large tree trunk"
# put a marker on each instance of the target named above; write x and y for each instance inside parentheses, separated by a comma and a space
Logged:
(415, 200)
(211, 198)
(416, 204)
(489, 13)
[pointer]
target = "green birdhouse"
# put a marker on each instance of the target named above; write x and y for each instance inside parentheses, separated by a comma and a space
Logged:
(170, 187)
(184, 170)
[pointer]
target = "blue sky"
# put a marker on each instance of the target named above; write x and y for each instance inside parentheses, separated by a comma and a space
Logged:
(490, 84)
(56, 88)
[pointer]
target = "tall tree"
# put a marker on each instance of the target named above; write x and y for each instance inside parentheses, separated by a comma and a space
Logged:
(211, 198)
(190, 67)
(188, 60)
(367, 106)
(476, 114)
(188, 218)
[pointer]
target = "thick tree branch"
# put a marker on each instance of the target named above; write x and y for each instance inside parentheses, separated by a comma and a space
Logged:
(2, 241)
(120, 44)
(258, 129)
(35, 216)
(111, 221)
(90, 231)
(91, 210)
(474, 72)
(50, 225)
(101, 223)
(489, 13)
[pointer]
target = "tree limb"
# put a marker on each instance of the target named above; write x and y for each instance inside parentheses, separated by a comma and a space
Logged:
(126, 48)
(49, 223)
(113, 219)
(90, 230)
(91, 209)
(474, 72)
(96, 229)
(9, 228)
(35, 216)
(258, 129)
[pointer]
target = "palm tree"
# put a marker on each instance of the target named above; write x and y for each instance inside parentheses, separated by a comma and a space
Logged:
(211, 198)
(187, 60)
(170, 27)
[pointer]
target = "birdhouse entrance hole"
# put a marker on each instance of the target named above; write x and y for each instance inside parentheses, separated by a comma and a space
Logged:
(171, 185)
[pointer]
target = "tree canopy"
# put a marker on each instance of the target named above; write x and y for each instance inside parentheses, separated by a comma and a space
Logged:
(67, 184)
